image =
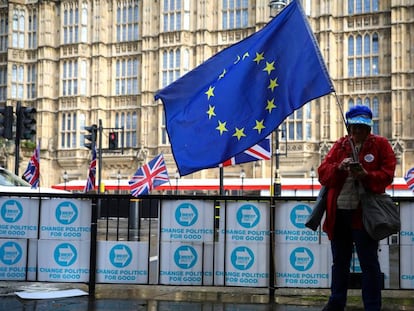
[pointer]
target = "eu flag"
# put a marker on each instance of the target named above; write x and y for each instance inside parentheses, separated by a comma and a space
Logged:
(239, 96)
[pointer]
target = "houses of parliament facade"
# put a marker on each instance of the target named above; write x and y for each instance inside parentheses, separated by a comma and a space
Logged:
(85, 62)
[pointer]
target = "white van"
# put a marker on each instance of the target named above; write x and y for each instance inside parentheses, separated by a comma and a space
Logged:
(11, 183)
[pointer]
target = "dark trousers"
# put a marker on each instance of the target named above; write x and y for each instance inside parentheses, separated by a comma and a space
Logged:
(367, 250)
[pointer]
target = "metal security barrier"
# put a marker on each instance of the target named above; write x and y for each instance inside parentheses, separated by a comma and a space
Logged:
(180, 240)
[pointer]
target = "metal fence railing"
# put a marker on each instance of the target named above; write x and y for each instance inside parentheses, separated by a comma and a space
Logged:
(180, 240)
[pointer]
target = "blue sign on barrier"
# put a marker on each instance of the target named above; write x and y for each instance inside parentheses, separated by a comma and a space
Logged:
(19, 218)
(122, 262)
(13, 260)
(66, 219)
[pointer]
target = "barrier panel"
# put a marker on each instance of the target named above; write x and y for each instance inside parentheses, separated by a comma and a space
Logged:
(189, 240)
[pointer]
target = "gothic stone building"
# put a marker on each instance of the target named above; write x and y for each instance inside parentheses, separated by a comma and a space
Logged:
(85, 62)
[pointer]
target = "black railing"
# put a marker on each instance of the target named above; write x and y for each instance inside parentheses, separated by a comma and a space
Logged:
(240, 240)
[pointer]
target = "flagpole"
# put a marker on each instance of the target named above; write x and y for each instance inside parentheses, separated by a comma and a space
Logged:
(275, 7)
(221, 174)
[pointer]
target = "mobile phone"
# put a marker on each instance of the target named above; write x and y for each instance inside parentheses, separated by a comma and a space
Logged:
(355, 166)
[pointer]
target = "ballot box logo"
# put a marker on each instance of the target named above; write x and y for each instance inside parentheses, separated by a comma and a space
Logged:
(120, 256)
(301, 258)
(11, 211)
(186, 214)
(299, 215)
(248, 216)
(185, 257)
(242, 258)
(65, 254)
(66, 213)
(10, 253)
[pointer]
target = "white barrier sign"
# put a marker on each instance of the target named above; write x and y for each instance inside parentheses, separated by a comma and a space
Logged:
(407, 267)
(247, 222)
(63, 261)
(305, 265)
(247, 264)
(407, 245)
(188, 221)
(122, 262)
(19, 218)
(13, 260)
(290, 219)
(244, 258)
(182, 264)
(407, 223)
(65, 219)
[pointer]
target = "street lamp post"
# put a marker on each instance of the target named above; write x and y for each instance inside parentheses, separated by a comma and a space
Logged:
(177, 176)
(312, 175)
(118, 176)
(65, 178)
(242, 177)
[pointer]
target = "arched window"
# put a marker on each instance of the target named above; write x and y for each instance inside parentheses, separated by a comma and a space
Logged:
(127, 21)
(32, 30)
(126, 80)
(235, 14)
(171, 65)
(129, 122)
(362, 6)
(298, 125)
(173, 12)
(70, 78)
(363, 60)
(68, 130)
(18, 29)
(70, 24)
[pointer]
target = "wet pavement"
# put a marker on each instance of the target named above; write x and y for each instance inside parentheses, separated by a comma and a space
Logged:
(191, 298)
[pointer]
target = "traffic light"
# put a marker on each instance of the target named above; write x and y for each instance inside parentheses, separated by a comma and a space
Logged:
(27, 122)
(90, 139)
(6, 122)
(113, 140)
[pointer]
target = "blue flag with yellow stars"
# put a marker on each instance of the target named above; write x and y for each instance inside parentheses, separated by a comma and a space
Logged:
(239, 96)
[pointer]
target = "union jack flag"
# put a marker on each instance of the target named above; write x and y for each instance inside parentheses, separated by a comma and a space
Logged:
(32, 172)
(409, 178)
(90, 183)
(149, 176)
(260, 151)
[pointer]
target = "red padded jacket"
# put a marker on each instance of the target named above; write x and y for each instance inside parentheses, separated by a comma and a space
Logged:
(377, 158)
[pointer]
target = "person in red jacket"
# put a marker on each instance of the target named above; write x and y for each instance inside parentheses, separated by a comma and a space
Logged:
(360, 159)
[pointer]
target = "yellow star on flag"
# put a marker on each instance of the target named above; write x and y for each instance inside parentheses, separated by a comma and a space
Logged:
(239, 133)
(269, 67)
(210, 92)
(221, 127)
(273, 84)
(270, 105)
(259, 57)
(211, 112)
(259, 126)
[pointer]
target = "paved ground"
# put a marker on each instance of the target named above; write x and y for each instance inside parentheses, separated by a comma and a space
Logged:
(191, 298)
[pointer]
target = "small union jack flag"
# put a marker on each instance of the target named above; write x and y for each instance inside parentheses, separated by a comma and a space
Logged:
(90, 183)
(260, 151)
(149, 176)
(409, 178)
(32, 172)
